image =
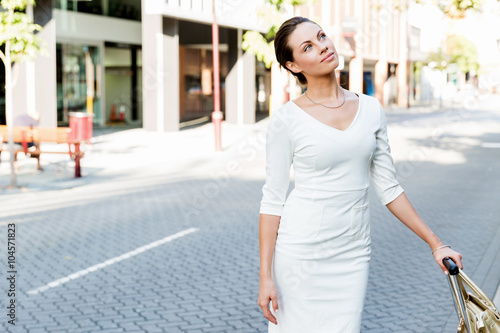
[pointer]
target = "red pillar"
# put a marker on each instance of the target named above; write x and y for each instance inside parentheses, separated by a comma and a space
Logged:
(217, 113)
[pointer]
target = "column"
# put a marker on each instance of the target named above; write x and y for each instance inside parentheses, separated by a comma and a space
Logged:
(356, 74)
(35, 88)
(381, 65)
(337, 29)
(233, 108)
(356, 63)
(402, 72)
(279, 80)
(380, 78)
(46, 66)
(249, 93)
(240, 82)
(161, 101)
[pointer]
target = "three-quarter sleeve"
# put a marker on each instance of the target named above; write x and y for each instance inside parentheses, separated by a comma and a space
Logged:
(279, 154)
(382, 169)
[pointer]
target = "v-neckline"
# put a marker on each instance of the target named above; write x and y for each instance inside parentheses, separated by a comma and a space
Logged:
(333, 128)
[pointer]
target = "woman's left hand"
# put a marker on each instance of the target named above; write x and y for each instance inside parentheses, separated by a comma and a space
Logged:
(440, 254)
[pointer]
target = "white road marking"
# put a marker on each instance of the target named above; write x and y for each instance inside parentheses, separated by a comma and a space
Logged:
(111, 261)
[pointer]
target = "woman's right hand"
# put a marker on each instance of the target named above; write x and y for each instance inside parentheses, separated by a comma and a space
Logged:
(267, 292)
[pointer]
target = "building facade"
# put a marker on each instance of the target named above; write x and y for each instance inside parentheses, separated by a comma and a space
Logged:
(372, 39)
(94, 62)
(177, 43)
(149, 63)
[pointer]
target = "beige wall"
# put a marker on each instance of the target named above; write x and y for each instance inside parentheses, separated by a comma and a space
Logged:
(380, 37)
(373, 23)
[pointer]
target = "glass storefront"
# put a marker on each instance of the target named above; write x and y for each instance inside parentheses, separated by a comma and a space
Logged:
(196, 86)
(262, 87)
(125, 9)
(123, 87)
(79, 86)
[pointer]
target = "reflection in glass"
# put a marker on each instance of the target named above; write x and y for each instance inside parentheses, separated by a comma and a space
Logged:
(78, 84)
(129, 9)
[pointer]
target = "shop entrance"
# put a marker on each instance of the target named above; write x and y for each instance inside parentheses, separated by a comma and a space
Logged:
(79, 87)
(123, 91)
(196, 82)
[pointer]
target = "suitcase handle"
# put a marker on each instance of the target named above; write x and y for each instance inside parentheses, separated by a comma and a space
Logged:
(451, 266)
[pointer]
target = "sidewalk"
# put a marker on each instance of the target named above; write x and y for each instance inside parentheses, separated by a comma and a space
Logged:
(123, 153)
(110, 153)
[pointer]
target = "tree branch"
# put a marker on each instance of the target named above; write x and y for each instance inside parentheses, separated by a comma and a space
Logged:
(2, 56)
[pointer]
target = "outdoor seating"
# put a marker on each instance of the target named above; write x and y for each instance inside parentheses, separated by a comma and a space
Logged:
(39, 135)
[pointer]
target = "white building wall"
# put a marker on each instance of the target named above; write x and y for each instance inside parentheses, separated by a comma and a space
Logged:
(45, 82)
(88, 27)
(235, 13)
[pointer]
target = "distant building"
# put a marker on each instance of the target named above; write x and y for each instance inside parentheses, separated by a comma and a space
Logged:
(177, 43)
(372, 38)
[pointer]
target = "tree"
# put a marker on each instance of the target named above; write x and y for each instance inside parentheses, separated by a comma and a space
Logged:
(462, 52)
(455, 9)
(457, 50)
(263, 46)
(17, 34)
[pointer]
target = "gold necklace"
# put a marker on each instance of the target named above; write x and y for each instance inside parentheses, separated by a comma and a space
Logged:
(326, 106)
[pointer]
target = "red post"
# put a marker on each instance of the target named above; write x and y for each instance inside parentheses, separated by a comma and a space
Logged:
(217, 113)
(78, 156)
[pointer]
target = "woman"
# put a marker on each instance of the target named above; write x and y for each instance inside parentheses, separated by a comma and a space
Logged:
(315, 244)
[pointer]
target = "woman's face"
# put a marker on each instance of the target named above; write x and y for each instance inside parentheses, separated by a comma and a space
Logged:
(313, 52)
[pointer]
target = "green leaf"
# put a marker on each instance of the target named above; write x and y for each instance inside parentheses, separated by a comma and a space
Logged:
(271, 13)
(19, 29)
(254, 42)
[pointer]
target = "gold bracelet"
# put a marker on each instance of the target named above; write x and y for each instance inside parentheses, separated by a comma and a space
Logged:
(442, 246)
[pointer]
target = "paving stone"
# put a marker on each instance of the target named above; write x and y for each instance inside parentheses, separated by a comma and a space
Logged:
(207, 281)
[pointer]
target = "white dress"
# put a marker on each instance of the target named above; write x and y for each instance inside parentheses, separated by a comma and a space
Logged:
(321, 259)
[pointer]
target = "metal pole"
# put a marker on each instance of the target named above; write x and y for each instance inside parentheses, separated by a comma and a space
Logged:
(459, 302)
(217, 113)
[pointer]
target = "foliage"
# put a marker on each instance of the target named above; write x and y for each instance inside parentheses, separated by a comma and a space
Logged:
(455, 9)
(438, 60)
(460, 51)
(458, 8)
(256, 43)
(262, 45)
(18, 29)
(17, 34)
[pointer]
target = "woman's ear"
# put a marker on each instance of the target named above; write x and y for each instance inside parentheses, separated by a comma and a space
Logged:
(293, 67)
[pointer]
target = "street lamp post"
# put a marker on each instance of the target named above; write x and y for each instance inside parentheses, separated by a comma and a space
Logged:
(217, 113)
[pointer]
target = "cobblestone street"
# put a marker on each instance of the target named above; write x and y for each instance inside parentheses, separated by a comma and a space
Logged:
(161, 233)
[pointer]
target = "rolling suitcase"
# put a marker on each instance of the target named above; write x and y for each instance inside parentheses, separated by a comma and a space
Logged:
(476, 312)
